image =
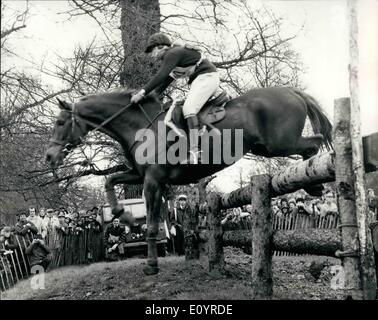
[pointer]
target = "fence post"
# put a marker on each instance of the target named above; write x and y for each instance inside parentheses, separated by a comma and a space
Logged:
(368, 276)
(346, 199)
(190, 226)
(262, 234)
(215, 243)
(359, 278)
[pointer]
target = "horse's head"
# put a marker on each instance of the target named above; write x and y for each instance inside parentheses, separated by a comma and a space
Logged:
(68, 133)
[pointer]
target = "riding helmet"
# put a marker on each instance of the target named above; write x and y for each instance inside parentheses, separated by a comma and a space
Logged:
(157, 39)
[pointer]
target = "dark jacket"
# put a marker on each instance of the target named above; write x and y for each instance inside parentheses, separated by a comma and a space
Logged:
(10, 243)
(178, 56)
(37, 252)
(177, 215)
(117, 233)
(22, 229)
(94, 224)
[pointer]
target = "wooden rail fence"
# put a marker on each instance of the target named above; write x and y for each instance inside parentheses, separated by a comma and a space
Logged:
(351, 241)
(71, 248)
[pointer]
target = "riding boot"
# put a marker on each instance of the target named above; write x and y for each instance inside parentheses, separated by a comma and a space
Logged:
(194, 156)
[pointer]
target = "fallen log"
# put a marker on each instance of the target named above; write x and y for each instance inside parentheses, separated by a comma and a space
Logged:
(318, 169)
(323, 242)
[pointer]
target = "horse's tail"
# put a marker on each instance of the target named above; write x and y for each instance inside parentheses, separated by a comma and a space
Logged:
(319, 121)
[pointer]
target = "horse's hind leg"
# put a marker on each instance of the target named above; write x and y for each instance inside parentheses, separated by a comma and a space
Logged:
(308, 147)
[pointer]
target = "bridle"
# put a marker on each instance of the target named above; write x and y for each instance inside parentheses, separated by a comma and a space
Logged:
(78, 120)
(69, 146)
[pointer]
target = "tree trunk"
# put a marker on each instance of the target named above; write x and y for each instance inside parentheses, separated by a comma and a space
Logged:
(139, 19)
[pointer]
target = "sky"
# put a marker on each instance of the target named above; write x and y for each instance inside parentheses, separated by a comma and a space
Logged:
(322, 45)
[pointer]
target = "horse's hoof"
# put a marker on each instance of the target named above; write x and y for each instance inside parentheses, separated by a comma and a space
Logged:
(315, 191)
(150, 270)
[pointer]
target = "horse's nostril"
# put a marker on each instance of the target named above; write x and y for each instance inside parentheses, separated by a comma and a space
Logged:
(48, 158)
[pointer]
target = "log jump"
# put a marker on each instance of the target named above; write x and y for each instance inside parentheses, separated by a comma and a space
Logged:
(351, 242)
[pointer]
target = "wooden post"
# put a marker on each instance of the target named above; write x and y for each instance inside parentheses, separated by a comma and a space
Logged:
(364, 235)
(215, 244)
(190, 226)
(262, 231)
(346, 199)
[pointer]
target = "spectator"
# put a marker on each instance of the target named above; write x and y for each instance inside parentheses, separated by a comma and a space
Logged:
(230, 221)
(38, 252)
(56, 213)
(97, 214)
(63, 227)
(285, 212)
(75, 217)
(370, 194)
(276, 211)
(87, 219)
(93, 223)
(67, 219)
(80, 224)
(302, 208)
(246, 217)
(114, 239)
(176, 220)
(44, 221)
(329, 206)
(9, 239)
(293, 207)
(53, 220)
(283, 203)
(24, 227)
(36, 220)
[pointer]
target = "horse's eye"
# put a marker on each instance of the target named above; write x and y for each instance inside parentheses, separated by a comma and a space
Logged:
(60, 122)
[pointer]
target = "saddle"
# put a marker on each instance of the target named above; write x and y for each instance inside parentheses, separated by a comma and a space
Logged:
(212, 112)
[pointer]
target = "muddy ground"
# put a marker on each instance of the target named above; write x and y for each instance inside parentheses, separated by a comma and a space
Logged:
(306, 277)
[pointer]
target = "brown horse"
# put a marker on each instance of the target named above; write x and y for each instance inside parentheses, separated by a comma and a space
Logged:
(272, 120)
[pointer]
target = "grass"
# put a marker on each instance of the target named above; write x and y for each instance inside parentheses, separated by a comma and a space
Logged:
(177, 279)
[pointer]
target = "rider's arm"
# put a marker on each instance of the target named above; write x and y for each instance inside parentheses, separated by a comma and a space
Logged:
(170, 61)
(161, 88)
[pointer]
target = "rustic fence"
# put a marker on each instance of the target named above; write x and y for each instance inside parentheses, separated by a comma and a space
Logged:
(351, 241)
(72, 247)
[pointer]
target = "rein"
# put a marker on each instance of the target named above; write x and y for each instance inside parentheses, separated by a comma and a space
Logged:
(74, 119)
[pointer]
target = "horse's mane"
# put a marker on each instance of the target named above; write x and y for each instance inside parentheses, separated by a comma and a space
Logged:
(122, 93)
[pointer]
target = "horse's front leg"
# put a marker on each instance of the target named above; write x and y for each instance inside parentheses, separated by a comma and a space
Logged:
(153, 196)
(119, 178)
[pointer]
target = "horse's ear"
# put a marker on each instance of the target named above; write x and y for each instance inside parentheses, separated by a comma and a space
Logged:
(64, 105)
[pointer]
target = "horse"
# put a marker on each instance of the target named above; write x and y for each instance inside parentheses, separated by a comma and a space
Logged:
(272, 120)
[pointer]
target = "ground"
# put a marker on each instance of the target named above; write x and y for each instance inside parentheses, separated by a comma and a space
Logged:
(306, 277)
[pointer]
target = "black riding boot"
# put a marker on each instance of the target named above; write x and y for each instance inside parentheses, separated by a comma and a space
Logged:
(194, 151)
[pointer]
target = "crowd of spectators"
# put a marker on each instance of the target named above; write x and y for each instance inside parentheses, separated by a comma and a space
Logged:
(289, 207)
(45, 228)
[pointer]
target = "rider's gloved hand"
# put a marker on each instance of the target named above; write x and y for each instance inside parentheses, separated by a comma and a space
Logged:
(138, 96)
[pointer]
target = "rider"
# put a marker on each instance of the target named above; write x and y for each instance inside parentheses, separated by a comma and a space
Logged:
(179, 61)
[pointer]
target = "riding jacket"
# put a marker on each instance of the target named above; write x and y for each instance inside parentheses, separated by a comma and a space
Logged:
(179, 62)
